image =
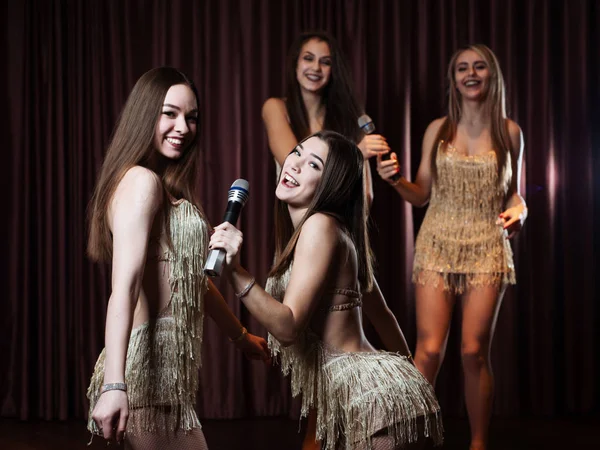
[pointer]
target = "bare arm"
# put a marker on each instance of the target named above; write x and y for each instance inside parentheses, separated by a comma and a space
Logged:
(279, 133)
(416, 193)
(254, 347)
(313, 256)
(384, 321)
(217, 309)
(133, 208)
(132, 212)
(516, 209)
(368, 184)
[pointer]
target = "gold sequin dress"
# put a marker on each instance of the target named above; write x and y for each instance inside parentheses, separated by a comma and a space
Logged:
(357, 394)
(164, 355)
(460, 242)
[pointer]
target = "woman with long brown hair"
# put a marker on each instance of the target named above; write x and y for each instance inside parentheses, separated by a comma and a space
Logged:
(469, 173)
(146, 220)
(319, 96)
(322, 278)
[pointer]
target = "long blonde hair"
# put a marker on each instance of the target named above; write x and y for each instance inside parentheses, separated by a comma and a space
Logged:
(132, 144)
(495, 103)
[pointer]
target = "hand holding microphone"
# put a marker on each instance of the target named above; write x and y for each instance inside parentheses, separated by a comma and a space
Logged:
(227, 239)
(372, 144)
(387, 163)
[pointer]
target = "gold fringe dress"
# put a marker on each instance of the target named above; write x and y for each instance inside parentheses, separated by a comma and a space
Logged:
(164, 355)
(461, 243)
(356, 394)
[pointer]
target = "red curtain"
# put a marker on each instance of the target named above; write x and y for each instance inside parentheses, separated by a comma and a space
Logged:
(69, 66)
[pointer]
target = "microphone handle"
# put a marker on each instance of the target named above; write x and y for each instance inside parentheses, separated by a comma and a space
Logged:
(215, 262)
(216, 257)
(384, 157)
(396, 176)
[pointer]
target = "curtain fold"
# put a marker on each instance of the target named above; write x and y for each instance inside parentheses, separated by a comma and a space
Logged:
(71, 64)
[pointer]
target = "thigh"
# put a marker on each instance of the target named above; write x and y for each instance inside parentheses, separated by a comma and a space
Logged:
(480, 307)
(434, 307)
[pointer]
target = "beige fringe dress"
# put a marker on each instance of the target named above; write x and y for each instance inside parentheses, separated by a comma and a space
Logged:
(461, 243)
(163, 357)
(356, 394)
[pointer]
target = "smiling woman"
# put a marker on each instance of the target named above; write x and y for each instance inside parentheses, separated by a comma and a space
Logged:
(321, 280)
(178, 121)
(470, 174)
(319, 96)
(301, 173)
(145, 219)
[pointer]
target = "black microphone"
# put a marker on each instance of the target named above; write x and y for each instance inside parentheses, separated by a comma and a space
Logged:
(368, 127)
(236, 199)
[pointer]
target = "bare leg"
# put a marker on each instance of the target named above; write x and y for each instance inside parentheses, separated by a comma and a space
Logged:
(434, 313)
(310, 438)
(480, 311)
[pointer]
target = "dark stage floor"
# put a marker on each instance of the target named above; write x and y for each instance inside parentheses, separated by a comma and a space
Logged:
(281, 434)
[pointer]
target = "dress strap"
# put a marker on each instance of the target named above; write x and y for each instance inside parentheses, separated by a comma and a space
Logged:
(350, 293)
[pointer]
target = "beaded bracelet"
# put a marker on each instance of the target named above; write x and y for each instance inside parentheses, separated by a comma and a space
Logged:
(246, 289)
(114, 387)
(241, 336)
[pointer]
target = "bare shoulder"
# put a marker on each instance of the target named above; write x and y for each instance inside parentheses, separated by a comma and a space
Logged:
(434, 127)
(274, 106)
(140, 188)
(516, 135)
(430, 134)
(320, 230)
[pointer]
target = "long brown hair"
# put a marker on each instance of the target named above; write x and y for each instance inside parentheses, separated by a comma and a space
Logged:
(495, 104)
(132, 144)
(339, 194)
(341, 107)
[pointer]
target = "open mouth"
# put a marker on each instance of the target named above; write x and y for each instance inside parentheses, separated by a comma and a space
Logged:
(289, 181)
(472, 83)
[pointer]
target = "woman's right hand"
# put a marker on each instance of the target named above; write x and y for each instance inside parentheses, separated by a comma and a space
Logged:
(228, 238)
(111, 414)
(373, 145)
(388, 167)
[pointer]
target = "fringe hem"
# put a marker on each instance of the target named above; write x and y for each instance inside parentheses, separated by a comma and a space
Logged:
(372, 391)
(459, 283)
(156, 419)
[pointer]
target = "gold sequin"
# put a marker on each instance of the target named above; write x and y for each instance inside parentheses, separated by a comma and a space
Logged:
(461, 243)
(356, 394)
(164, 355)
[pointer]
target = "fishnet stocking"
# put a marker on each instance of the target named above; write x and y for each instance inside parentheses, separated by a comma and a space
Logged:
(178, 440)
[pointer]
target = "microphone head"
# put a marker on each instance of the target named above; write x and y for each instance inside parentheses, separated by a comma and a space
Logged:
(239, 191)
(366, 124)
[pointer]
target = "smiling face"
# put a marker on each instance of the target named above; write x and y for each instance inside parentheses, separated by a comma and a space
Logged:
(178, 121)
(313, 68)
(472, 75)
(301, 173)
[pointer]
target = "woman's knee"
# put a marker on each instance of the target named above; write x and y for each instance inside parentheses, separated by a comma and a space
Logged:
(430, 352)
(474, 355)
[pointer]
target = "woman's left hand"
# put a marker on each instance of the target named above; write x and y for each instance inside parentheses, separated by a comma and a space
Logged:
(228, 238)
(254, 347)
(512, 219)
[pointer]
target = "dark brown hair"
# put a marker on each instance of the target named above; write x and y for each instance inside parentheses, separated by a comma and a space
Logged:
(132, 144)
(339, 194)
(341, 107)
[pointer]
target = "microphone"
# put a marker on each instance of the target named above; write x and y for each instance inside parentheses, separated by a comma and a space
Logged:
(236, 199)
(366, 124)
